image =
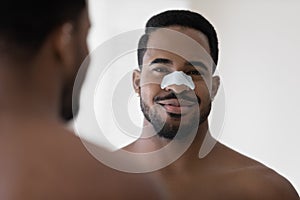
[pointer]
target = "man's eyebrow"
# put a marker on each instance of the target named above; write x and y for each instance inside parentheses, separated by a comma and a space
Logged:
(161, 61)
(197, 64)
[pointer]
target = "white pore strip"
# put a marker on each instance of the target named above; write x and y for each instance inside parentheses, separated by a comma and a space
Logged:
(178, 78)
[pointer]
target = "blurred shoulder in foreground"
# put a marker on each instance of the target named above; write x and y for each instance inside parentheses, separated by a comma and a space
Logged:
(42, 45)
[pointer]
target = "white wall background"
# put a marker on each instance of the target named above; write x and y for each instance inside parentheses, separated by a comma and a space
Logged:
(259, 52)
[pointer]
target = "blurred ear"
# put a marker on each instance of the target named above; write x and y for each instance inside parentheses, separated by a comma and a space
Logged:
(136, 78)
(63, 39)
(215, 86)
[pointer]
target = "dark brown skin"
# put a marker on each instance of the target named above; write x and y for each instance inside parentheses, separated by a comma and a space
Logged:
(223, 173)
(40, 158)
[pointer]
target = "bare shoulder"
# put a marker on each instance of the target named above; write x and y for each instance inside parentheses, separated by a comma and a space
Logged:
(260, 182)
(254, 180)
(95, 178)
(56, 165)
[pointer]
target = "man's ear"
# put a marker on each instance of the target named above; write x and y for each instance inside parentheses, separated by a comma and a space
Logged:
(215, 86)
(63, 39)
(136, 79)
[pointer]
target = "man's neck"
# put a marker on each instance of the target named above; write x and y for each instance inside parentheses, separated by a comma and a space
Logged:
(154, 143)
(27, 92)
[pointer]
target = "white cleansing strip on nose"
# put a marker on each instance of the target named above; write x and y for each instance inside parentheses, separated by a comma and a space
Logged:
(178, 78)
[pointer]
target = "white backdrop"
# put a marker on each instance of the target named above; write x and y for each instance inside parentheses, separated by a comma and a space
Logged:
(259, 50)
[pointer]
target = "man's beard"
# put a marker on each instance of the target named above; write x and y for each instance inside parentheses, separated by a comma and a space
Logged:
(70, 101)
(70, 98)
(68, 111)
(168, 130)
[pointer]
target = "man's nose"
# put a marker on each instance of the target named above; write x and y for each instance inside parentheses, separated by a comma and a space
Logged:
(177, 88)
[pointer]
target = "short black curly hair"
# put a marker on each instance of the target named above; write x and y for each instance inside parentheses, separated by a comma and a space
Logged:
(24, 25)
(184, 18)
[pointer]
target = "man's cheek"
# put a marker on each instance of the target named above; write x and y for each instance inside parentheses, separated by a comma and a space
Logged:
(146, 95)
(202, 92)
(150, 91)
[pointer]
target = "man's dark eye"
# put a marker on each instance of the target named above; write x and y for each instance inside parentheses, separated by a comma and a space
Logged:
(161, 70)
(195, 72)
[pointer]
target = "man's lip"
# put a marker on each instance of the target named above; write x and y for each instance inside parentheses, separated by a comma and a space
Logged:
(176, 106)
(176, 103)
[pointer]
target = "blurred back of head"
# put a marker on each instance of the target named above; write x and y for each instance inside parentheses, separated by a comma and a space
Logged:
(24, 25)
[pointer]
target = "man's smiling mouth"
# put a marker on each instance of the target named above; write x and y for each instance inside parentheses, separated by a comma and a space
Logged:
(177, 106)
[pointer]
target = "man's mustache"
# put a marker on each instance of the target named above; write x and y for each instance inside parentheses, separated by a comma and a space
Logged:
(172, 95)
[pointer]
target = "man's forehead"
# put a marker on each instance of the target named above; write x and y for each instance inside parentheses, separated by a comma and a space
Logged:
(179, 35)
(186, 43)
(151, 52)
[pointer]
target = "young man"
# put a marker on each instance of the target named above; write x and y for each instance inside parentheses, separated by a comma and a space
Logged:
(176, 86)
(42, 45)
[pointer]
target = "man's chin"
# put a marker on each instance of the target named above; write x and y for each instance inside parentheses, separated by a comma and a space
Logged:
(70, 106)
(67, 116)
(68, 112)
(177, 131)
(167, 134)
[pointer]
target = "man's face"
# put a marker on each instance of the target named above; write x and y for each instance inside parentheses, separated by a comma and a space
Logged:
(175, 106)
(78, 54)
